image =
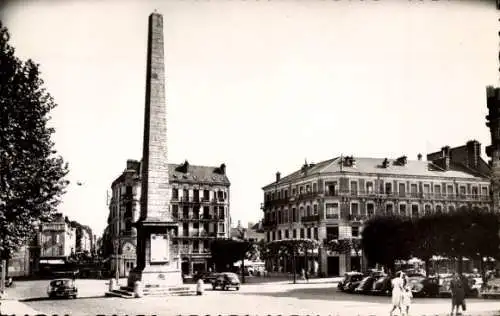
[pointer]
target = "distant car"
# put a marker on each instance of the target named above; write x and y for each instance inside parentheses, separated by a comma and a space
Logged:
(382, 285)
(226, 280)
(209, 277)
(62, 288)
(365, 286)
(422, 286)
(349, 279)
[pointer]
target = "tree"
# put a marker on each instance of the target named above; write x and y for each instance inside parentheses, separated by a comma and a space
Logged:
(429, 238)
(32, 176)
(345, 246)
(225, 252)
(290, 248)
(387, 238)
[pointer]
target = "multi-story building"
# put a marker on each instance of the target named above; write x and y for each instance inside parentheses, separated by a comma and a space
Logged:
(57, 238)
(199, 202)
(331, 199)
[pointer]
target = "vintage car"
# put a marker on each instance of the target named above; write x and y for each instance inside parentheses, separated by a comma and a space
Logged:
(62, 288)
(226, 280)
(365, 286)
(470, 284)
(349, 280)
(382, 286)
(422, 286)
(491, 289)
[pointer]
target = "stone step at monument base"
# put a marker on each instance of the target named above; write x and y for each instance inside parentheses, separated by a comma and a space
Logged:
(127, 292)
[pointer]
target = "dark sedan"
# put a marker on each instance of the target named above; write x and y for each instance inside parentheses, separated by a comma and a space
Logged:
(226, 280)
(350, 279)
(422, 286)
(365, 286)
(62, 288)
(382, 286)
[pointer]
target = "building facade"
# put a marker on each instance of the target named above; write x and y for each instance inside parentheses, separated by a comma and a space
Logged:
(331, 199)
(199, 202)
(493, 151)
(57, 238)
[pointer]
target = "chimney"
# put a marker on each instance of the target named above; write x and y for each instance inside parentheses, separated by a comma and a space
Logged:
(133, 165)
(223, 168)
(419, 156)
(278, 176)
(445, 154)
(473, 153)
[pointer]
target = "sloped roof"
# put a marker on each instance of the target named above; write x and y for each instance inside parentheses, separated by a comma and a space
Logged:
(196, 174)
(417, 168)
(187, 173)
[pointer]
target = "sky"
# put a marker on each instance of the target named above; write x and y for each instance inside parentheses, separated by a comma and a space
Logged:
(258, 85)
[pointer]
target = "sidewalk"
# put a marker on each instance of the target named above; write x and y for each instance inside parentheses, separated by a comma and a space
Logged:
(289, 279)
(14, 307)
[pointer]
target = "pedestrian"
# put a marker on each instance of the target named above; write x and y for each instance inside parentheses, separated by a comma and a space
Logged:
(307, 275)
(406, 302)
(303, 274)
(397, 292)
(457, 288)
(199, 286)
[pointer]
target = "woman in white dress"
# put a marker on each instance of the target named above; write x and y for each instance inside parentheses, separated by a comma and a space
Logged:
(397, 292)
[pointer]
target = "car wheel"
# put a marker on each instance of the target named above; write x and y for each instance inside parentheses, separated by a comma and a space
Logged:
(237, 288)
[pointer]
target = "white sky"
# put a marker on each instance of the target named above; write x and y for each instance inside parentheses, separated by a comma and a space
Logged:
(258, 85)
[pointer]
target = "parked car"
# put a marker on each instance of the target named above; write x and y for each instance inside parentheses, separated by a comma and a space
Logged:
(382, 285)
(470, 289)
(209, 277)
(349, 279)
(365, 286)
(62, 288)
(422, 286)
(226, 280)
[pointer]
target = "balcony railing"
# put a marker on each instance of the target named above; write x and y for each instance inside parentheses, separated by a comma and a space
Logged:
(310, 218)
(194, 234)
(218, 201)
(269, 224)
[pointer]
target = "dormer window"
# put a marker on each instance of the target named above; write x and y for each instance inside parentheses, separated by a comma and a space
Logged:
(385, 163)
(349, 161)
(401, 161)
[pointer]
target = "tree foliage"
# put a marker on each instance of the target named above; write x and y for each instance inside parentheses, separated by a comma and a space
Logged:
(225, 252)
(345, 245)
(386, 239)
(468, 232)
(31, 174)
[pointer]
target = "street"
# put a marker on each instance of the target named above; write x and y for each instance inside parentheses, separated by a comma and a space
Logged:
(262, 299)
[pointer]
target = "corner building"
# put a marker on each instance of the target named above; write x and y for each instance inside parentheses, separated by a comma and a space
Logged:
(199, 202)
(332, 199)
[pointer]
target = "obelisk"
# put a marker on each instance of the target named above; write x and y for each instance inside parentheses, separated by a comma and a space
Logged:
(157, 261)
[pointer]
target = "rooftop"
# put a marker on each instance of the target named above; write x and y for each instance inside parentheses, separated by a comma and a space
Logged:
(184, 173)
(417, 168)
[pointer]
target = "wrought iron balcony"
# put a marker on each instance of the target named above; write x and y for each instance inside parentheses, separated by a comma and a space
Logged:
(269, 224)
(310, 218)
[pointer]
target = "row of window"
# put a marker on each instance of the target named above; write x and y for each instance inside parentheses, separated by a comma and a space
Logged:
(198, 228)
(193, 245)
(332, 188)
(199, 194)
(332, 210)
(197, 211)
(332, 232)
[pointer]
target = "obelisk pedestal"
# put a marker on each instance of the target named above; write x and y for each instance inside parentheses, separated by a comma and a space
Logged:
(158, 263)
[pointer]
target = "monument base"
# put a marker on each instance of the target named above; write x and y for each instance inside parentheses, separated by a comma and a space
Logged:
(155, 277)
